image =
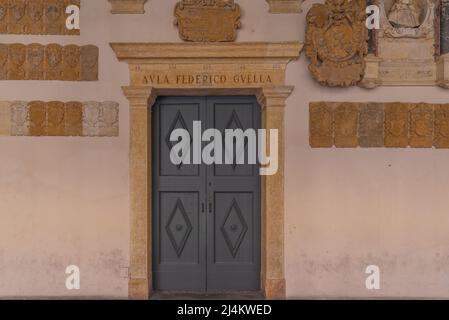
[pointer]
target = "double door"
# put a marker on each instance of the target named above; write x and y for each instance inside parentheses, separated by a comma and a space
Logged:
(205, 218)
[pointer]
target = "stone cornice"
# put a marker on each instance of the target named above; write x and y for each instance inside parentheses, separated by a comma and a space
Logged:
(127, 6)
(285, 6)
(255, 50)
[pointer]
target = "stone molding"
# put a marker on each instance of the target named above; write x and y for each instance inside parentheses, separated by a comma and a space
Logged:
(172, 69)
(377, 125)
(36, 17)
(127, 6)
(56, 118)
(285, 6)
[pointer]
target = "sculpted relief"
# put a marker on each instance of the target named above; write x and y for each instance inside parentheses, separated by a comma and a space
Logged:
(50, 62)
(375, 125)
(405, 14)
(336, 42)
(35, 17)
(56, 118)
(406, 47)
(207, 20)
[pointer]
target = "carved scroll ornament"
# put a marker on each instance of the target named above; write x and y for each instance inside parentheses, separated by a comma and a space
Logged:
(336, 42)
(207, 20)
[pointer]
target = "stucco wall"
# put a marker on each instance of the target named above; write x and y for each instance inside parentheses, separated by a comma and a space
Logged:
(66, 201)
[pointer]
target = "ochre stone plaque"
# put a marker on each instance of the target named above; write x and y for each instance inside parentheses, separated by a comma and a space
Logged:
(37, 114)
(397, 125)
(346, 119)
(34, 23)
(5, 118)
(53, 60)
(73, 118)
(371, 125)
(321, 125)
(3, 61)
(89, 63)
(35, 62)
(16, 16)
(441, 126)
(207, 21)
(54, 17)
(3, 16)
(50, 62)
(336, 42)
(55, 125)
(16, 62)
(71, 58)
(421, 125)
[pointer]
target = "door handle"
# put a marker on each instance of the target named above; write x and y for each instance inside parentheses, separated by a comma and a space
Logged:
(210, 207)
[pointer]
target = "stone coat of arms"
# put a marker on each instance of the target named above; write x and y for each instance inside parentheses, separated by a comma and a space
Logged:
(336, 42)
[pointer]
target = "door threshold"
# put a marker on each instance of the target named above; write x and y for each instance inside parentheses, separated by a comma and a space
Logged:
(185, 295)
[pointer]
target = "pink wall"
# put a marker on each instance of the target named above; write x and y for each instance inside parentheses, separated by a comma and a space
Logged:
(66, 201)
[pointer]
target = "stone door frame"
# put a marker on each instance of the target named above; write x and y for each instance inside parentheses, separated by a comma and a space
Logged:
(158, 69)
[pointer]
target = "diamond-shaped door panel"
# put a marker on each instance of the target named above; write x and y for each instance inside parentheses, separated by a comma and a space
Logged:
(178, 123)
(234, 228)
(234, 123)
(178, 228)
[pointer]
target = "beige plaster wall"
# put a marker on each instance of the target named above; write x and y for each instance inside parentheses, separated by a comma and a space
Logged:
(66, 201)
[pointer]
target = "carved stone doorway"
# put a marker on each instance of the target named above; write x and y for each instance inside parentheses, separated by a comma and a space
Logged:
(211, 69)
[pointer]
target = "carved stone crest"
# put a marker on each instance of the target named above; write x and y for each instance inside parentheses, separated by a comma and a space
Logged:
(371, 125)
(16, 16)
(396, 125)
(53, 60)
(207, 20)
(3, 61)
(73, 118)
(55, 125)
(35, 62)
(37, 115)
(336, 42)
(71, 62)
(5, 118)
(321, 125)
(421, 126)
(16, 61)
(89, 63)
(3, 16)
(20, 123)
(346, 118)
(441, 126)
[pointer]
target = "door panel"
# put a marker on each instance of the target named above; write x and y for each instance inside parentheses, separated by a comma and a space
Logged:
(233, 255)
(206, 219)
(179, 256)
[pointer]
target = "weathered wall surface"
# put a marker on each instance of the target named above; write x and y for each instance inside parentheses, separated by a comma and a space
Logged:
(66, 201)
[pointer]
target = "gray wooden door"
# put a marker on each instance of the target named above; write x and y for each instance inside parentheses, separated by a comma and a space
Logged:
(206, 218)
